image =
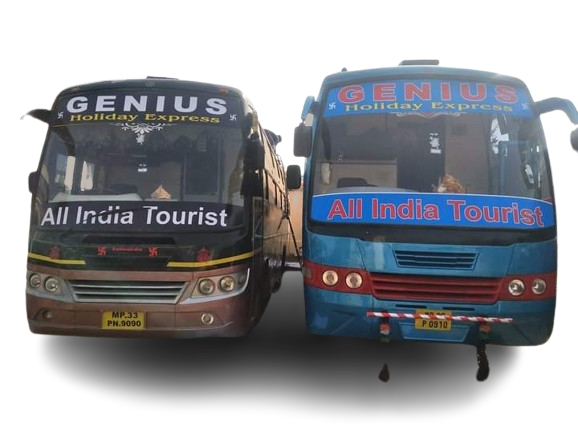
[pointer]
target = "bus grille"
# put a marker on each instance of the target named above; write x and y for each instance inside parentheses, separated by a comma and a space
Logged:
(152, 292)
(440, 289)
(434, 259)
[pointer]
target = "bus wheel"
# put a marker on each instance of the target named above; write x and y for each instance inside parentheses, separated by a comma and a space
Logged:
(384, 373)
(483, 365)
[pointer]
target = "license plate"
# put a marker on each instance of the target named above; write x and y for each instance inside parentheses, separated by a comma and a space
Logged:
(433, 324)
(123, 320)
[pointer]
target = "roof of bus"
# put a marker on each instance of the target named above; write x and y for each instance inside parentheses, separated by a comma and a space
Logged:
(416, 72)
(153, 82)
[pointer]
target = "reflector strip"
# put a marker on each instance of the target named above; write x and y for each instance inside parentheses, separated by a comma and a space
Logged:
(57, 261)
(433, 316)
(212, 262)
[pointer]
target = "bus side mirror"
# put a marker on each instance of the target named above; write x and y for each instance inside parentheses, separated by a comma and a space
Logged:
(293, 177)
(32, 181)
(302, 141)
(255, 153)
(574, 139)
(41, 114)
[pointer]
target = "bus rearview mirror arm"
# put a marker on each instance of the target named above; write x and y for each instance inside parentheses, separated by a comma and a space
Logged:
(555, 103)
(40, 114)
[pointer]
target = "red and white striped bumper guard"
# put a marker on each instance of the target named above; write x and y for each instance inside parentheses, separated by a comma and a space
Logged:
(433, 316)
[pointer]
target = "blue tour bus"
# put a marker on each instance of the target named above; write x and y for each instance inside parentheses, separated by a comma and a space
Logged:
(428, 207)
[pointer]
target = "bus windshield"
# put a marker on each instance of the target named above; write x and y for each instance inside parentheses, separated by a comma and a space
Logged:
(401, 167)
(122, 170)
(119, 162)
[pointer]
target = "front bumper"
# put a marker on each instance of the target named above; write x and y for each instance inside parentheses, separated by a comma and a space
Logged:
(230, 317)
(354, 315)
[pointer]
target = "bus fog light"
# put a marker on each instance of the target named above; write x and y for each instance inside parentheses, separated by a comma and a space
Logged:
(516, 287)
(353, 280)
(207, 319)
(539, 286)
(206, 286)
(51, 284)
(227, 284)
(330, 277)
(34, 281)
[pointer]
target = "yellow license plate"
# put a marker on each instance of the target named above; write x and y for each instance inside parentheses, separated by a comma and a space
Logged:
(123, 320)
(433, 324)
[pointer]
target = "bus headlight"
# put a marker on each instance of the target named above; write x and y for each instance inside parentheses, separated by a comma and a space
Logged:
(212, 287)
(539, 286)
(330, 277)
(206, 286)
(353, 280)
(51, 284)
(34, 281)
(227, 283)
(47, 286)
(516, 287)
